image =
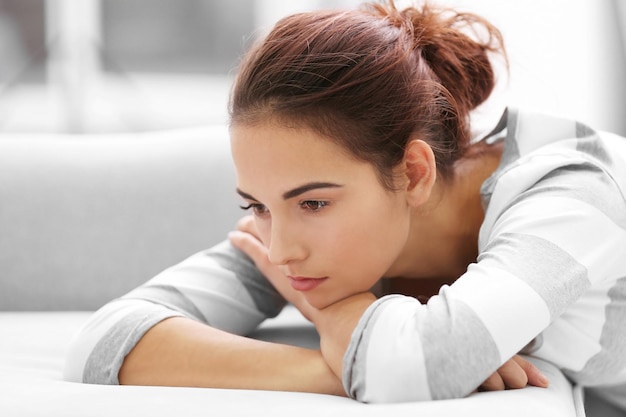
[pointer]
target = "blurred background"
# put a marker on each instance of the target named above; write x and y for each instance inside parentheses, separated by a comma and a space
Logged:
(135, 65)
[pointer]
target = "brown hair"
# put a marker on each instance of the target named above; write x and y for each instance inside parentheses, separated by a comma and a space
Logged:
(372, 79)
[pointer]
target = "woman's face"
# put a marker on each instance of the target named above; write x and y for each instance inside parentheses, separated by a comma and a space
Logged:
(327, 222)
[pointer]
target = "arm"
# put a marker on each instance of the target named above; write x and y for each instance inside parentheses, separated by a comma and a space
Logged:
(181, 327)
(547, 246)
(337, 323)
(183, 352)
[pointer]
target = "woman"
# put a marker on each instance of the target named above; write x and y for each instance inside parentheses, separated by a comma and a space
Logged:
(351, 141)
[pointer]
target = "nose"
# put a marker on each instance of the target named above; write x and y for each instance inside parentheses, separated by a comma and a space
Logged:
(285, 245)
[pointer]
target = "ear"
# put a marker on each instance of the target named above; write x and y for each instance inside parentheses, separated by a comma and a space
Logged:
(420, 171)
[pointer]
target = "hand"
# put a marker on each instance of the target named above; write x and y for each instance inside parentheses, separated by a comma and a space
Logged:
(246, 238)
(516, 373)
(334, 323)
(513, 374)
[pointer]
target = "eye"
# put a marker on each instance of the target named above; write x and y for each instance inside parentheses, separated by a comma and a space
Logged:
(313, 205)
(257, 209)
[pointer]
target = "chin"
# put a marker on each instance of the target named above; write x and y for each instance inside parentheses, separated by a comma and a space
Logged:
(319, 304)
(321, 301)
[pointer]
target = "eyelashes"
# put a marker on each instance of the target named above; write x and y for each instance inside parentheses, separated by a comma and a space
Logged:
(312, 206)
(257, 209)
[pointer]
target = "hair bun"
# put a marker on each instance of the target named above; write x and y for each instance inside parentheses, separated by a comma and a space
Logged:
(450, 43)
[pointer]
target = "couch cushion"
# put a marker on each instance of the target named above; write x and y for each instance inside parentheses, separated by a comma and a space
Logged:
(35, 346)
(85, 218)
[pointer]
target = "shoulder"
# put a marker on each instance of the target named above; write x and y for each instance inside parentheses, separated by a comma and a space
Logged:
(537, 145)
(529, 133)
(551, 162)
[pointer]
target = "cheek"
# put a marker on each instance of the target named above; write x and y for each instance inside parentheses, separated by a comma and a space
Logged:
(382, 223)
(371, 241)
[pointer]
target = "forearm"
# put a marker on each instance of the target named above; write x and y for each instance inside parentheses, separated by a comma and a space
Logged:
(182, 352)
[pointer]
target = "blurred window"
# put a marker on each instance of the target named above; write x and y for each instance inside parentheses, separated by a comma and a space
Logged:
(119, 65)
(22, 42)
(130, 65)
(190, 36)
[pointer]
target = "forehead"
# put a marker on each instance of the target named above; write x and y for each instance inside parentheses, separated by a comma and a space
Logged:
(270, 152)
(269, 142)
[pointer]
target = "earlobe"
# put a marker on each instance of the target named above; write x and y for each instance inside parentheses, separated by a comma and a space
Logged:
(420, 171)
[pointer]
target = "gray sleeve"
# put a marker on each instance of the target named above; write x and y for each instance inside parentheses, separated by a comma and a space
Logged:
(220, 287)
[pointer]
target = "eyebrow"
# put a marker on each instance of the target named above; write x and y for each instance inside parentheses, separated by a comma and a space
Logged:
(308, 187)
(296, 191)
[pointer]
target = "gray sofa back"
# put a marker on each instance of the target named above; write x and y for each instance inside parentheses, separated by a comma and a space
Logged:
(84, 219)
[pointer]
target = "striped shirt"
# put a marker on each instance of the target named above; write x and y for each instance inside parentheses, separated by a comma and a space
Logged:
(550, 281)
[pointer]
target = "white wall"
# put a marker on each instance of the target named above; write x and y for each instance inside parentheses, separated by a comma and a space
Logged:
(567, 57)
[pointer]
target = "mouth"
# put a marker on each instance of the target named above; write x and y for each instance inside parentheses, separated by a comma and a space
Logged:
(305, 283)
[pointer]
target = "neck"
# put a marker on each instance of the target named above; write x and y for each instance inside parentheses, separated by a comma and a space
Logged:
(443, 239)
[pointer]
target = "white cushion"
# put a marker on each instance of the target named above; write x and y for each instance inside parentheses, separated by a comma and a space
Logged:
(33, 346)
(84, 219)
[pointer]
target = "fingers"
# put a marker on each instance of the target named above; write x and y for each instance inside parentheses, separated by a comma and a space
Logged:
(246, 238)
(513, 375)
(493, 383)
(255, 249)
(534, 375)
(251, 246)
(247, 224)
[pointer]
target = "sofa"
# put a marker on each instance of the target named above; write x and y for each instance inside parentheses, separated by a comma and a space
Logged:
(85, 218)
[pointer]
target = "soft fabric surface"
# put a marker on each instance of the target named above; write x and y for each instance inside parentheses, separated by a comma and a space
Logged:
(33, 346)
(86, 218)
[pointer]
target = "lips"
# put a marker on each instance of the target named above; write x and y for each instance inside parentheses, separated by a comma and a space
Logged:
(305, 283)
